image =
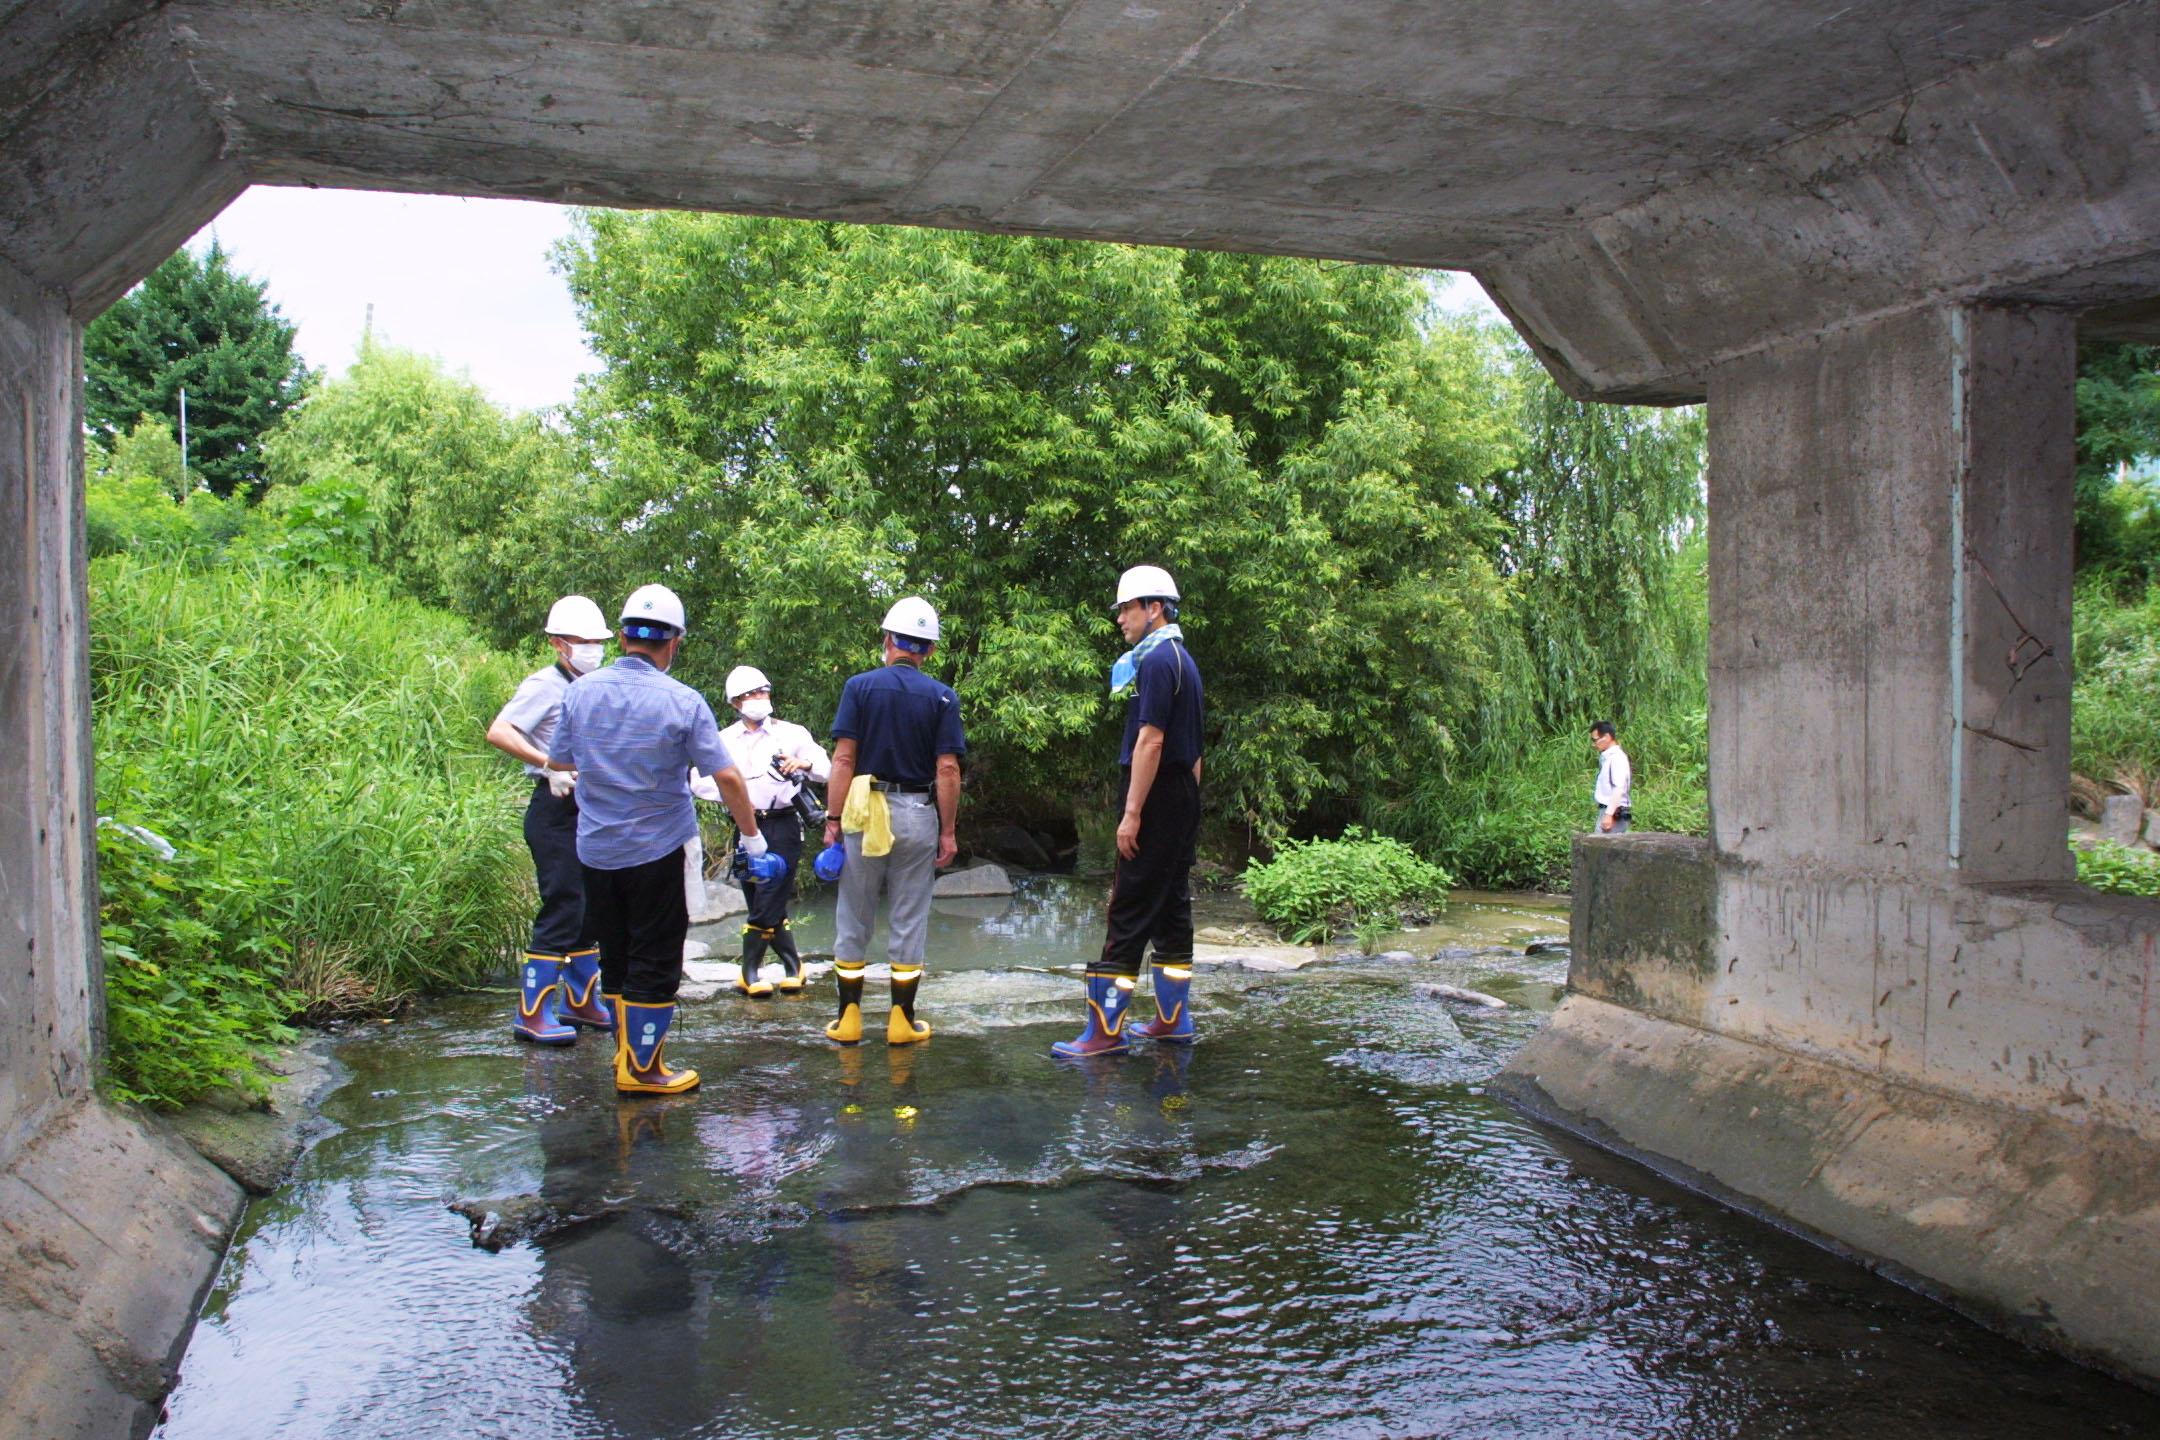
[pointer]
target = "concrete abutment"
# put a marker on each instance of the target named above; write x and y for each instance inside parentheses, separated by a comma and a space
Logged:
(1872, 1004)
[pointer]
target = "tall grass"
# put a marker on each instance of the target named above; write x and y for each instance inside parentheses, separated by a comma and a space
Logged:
(1511, 822)
(2115, 703)
(317, 744)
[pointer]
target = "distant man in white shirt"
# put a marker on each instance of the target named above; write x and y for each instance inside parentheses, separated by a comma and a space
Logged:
(776, 756)
(1615, 780)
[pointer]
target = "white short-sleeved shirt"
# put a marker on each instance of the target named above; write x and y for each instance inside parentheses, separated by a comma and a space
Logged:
(755, 750)
(1615, 780)
(536, 707)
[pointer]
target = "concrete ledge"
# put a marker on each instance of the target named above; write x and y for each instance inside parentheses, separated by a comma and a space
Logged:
(110, 1232)
(2029, 1223)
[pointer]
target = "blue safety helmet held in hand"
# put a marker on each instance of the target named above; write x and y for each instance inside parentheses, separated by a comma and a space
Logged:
(762, 869)
(830, 861)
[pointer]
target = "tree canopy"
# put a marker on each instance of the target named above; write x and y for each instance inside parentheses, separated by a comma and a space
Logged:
(198, 325)
(796, 423)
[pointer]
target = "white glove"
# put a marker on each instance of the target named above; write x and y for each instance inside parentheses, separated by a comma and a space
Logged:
(561, 783)
(754, 845)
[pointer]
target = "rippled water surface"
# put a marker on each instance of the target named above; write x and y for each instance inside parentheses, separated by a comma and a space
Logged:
(1313, 1223)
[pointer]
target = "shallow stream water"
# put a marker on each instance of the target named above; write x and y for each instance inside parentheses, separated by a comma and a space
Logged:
(1313, 1223)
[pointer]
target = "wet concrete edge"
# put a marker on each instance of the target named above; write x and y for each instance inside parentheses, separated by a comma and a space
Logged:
(1528, 1098)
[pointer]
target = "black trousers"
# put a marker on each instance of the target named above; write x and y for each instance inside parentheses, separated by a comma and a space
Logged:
(769, 902)
(551, 835)
(641, 919)
(1151, 894)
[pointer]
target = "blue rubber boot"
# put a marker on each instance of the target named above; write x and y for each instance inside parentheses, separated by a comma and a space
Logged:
(1107, 996)
(639, 1068)
(582, 1002)
(539, 990)
(1173, 1006)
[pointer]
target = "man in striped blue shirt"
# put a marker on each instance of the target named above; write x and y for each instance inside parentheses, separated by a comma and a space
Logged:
(631, 734)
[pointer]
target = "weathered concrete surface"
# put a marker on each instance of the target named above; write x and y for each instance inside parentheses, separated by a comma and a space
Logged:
(1883, 499)
(111, 1233)
(1644, 906)
(50, 985)
(1957, 1079)
(1650, 194)
(2045, 1226)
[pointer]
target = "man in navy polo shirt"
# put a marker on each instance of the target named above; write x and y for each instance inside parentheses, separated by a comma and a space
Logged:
(1158, 827)
(897, 744)
(631, 735)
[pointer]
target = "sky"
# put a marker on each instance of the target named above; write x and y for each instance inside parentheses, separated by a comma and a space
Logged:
(467, 281)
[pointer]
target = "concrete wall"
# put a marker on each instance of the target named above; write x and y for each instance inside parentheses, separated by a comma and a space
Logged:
(110, 1229)
(1873, 1004)
(50, 986)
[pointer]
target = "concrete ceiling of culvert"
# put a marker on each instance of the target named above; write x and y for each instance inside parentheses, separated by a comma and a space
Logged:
(1532, 140)
(1403, 131)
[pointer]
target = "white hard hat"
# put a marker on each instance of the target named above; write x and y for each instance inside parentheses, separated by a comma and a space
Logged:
(578, 618)
(1146, 582)
(743, 679)
(654, 605)
(913, 618)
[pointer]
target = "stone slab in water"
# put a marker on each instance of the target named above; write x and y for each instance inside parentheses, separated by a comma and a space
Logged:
(975, 880)
(1265, 958)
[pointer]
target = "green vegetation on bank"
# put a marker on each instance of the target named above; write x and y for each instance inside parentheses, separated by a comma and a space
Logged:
(1360, 884)
(311, 748)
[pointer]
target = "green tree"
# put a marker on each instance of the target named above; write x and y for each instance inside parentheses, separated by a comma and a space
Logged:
(797, 422)
(401, 464)
(1595, 515)
(2118, 425)
(198, 325)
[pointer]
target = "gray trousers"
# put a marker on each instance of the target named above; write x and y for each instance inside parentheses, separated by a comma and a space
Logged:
(905, 875)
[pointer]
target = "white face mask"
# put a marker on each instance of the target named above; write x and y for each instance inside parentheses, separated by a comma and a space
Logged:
(587, 658)
(756, 710)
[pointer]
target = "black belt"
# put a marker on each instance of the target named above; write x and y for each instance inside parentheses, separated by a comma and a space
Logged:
(895, 787)
(775, 814)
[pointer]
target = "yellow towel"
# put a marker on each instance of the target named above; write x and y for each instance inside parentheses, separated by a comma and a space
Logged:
(867, 814)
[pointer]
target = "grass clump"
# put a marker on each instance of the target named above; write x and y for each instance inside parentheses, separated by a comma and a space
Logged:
(2119, 869)
(1360, 883)
(312, 749)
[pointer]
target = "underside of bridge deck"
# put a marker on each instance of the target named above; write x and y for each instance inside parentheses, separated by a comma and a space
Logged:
(1867, 233)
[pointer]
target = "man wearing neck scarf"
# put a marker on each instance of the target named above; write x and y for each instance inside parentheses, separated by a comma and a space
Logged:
(1159, 824)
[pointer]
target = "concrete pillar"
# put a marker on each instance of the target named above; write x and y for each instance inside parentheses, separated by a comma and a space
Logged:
(1890, 520)
(50, 987)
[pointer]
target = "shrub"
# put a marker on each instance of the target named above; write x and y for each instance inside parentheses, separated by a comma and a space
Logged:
(191, 966)
(2119, 870)
(1362, 880)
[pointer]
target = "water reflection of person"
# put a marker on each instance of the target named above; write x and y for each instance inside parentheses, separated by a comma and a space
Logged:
(616, 1301)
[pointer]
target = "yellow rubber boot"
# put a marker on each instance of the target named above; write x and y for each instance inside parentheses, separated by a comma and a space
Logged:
(639, 1068)
(847, 1030)
(752, 981)
(783, 945)
(902, 1028)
